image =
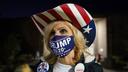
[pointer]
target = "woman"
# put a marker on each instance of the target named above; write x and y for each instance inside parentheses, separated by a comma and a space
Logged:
(66, 29)
(67, 44)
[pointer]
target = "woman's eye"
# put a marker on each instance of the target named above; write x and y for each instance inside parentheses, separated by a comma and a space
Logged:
(63, 31)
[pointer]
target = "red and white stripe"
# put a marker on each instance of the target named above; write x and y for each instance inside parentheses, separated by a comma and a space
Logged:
(71, 12)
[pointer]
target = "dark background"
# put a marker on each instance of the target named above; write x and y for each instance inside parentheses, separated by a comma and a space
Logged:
(21, 8)
(20, 39)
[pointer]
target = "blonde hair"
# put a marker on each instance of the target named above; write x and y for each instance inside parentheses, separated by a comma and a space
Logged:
(78, 38)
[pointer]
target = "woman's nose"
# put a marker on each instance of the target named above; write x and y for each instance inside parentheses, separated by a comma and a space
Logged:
(57, 33)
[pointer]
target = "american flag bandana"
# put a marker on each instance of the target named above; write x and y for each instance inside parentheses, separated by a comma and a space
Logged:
(74, 13)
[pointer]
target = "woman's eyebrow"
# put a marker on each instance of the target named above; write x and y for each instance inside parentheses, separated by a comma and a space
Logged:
(62, 28)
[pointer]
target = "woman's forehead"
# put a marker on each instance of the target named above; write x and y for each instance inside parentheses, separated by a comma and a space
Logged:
(61, 24)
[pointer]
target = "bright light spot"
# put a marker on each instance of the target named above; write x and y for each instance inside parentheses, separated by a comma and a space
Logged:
(101, 49)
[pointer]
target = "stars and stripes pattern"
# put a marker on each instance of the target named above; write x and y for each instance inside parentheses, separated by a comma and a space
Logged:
(74, 13)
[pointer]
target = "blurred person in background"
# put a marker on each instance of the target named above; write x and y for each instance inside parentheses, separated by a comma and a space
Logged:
(23, 68)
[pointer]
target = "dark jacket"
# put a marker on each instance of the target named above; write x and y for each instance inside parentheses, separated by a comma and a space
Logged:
(89, 67)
